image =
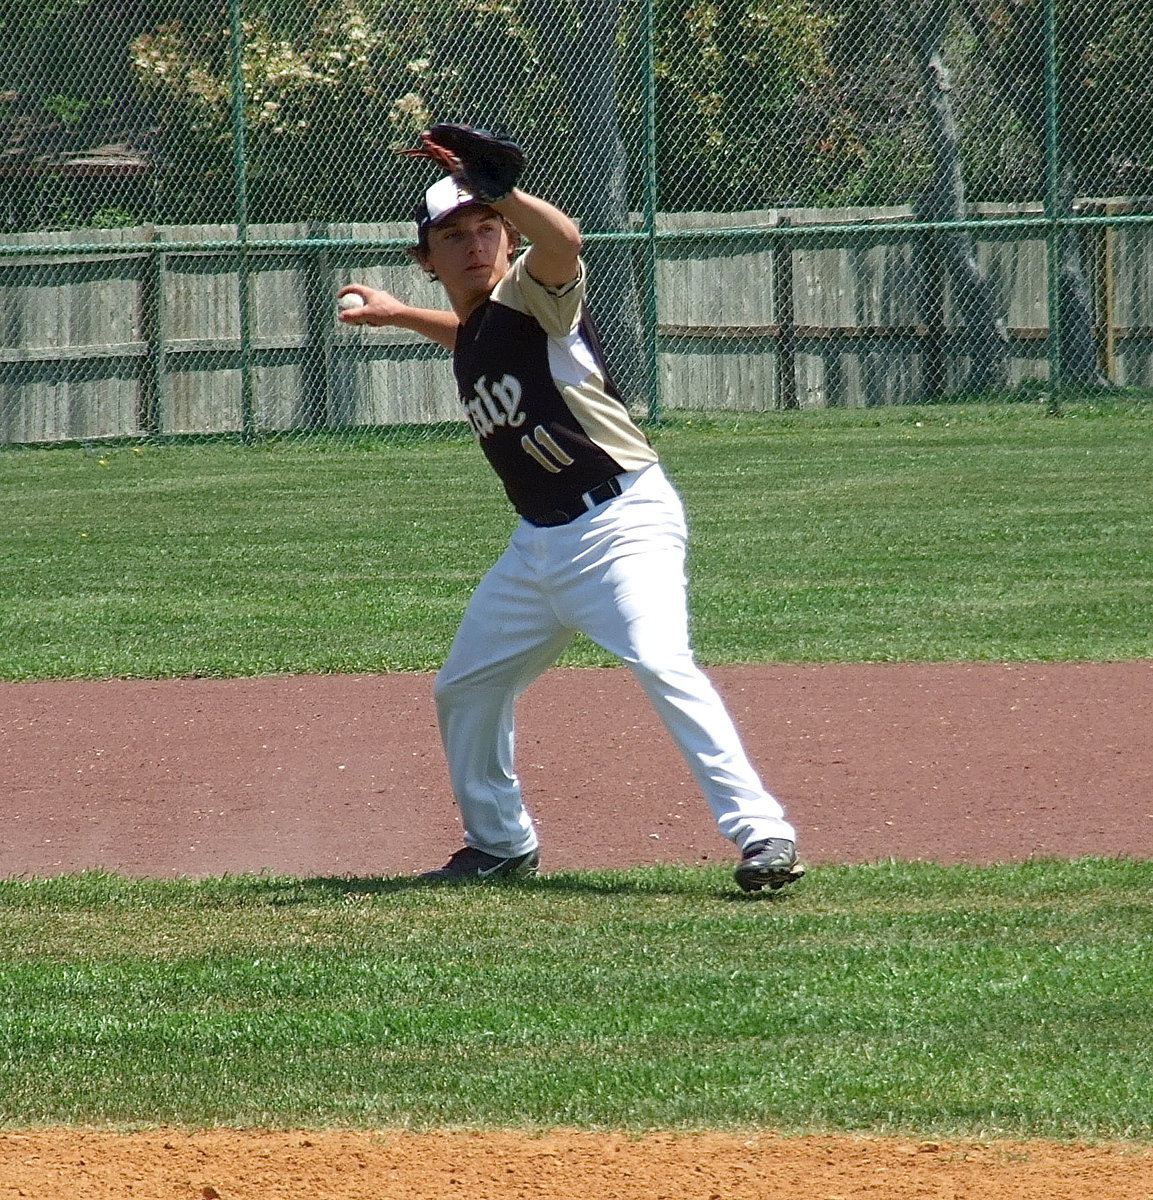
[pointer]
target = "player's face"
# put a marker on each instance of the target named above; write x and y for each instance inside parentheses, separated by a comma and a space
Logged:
(469, 252)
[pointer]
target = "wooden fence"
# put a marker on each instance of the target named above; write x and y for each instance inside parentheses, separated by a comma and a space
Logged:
(844, 324)
(149, 342)
(144, 335)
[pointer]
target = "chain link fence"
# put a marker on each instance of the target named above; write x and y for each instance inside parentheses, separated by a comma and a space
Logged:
(786, 203)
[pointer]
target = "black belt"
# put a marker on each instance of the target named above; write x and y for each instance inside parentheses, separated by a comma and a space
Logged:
(580, 506)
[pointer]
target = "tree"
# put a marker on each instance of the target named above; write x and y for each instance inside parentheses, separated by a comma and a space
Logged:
(746, 114)
(64, 91)
(944, 200)
(326, 91)
(1106, 122)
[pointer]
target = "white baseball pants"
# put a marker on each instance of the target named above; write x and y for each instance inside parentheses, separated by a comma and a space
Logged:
(617, 575)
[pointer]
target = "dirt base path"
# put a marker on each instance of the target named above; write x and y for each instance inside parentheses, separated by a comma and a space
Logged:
(344, 776)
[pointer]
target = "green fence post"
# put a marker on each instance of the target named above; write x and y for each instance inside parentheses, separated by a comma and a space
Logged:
(1053, 200)
(785, 318)
(320, 324)
(240, 182)
(153, 406)
(651, 307)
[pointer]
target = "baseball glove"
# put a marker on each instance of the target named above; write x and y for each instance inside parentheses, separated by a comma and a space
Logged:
(487, 165)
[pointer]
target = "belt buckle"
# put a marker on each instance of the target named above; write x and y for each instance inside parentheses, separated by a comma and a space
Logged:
(610, 488)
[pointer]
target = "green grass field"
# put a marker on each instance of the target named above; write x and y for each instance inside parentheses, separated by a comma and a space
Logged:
(889, 998)
(1002, 1001)
(933, 534)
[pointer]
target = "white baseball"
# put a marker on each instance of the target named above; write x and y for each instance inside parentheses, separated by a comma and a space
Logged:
(349, 301)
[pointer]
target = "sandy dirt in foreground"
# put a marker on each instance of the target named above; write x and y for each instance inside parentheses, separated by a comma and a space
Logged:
(224, 1165)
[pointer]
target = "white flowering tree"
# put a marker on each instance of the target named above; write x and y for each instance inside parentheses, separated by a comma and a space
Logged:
(326, 97)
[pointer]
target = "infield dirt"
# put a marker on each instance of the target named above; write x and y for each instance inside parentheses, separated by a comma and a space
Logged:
(225, 1165)
(344, 775)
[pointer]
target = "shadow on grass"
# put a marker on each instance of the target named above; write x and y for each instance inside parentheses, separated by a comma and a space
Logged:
(633, 882)
(100, 888)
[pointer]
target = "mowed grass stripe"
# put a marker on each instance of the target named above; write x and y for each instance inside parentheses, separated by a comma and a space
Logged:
(899, 998)
(956, 533)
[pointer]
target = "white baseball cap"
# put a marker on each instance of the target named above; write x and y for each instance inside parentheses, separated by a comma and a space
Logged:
(441, 200)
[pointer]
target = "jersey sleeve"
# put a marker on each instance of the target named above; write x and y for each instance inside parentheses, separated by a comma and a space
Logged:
(556, 310)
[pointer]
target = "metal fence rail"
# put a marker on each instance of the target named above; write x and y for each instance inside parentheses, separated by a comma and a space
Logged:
(787, 203)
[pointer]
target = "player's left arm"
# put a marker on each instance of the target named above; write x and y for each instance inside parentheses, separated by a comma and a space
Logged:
(553, 255)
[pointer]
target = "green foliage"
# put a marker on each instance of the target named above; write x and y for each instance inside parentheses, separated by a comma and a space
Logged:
(113, 218)
(759, 102)
(65, 88)
(1103, 54)
(68, 109)
(893, 998)
(738, 122)
(327, 91)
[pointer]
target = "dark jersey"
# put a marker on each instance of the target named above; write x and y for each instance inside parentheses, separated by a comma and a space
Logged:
(538, 397)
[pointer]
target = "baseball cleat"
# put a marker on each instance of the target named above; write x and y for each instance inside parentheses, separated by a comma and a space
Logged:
(471, 863)
(771, 864)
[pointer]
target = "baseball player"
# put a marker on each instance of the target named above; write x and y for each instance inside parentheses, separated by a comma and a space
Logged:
(600, 545)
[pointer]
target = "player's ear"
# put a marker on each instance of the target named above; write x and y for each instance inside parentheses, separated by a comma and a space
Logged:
(419, 255)
(514, 240)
